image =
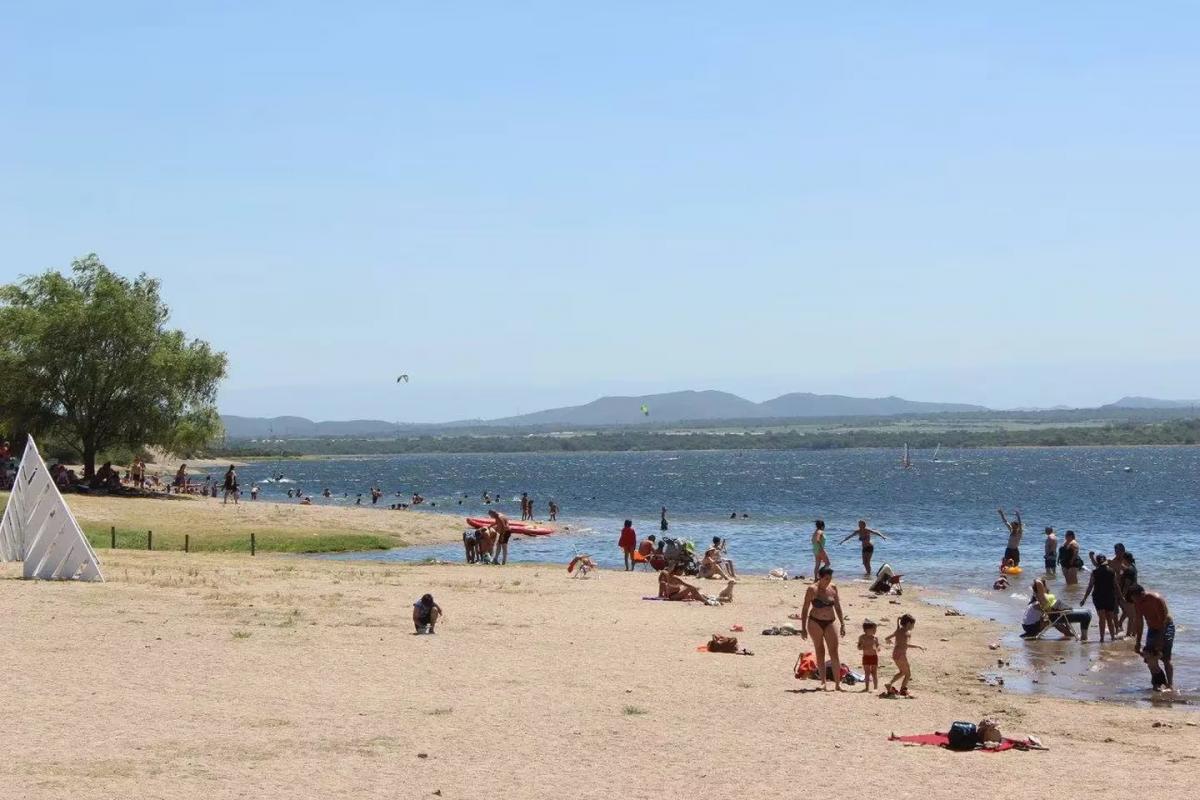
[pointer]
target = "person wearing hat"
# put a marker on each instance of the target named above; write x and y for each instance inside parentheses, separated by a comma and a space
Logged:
(426, 614)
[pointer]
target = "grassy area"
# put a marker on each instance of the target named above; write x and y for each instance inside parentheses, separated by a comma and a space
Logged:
(265, 540)
(210, 528)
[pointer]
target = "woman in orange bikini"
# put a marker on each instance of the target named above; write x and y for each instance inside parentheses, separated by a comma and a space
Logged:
(821, 609)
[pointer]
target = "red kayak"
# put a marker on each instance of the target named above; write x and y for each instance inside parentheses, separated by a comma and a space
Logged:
(515, 527)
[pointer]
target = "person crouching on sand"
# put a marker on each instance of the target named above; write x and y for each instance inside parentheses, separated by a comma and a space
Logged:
(902, 638)
(426, 614)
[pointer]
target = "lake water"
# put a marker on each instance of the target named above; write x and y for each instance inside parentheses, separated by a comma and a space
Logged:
(940, 517)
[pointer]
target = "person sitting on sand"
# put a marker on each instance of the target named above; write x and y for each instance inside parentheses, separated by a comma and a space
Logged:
(864, 535)
(821, 609)
(307, 501)
(181, 479)
(1160, 636)
(902, 638)
(426, 614)
(712, 565)
(673, 587)
(646, 548)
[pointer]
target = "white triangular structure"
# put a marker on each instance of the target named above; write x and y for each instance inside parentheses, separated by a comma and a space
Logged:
(41, 531)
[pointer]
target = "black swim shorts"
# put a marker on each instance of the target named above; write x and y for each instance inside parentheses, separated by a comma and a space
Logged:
(1160, 641)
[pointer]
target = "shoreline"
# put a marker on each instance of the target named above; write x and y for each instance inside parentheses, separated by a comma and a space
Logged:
(270, 667)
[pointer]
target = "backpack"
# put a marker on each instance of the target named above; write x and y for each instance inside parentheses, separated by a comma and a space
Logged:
(722, 644)
(963, 736)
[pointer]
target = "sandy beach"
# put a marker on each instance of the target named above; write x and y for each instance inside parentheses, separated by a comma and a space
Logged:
(228, 676)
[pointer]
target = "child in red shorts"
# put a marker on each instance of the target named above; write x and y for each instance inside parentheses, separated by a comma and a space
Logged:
(869, 645)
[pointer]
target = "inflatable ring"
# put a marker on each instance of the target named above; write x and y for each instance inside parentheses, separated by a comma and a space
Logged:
(1011, 570)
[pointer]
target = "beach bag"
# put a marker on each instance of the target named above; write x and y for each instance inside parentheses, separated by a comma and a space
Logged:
(722, 644)
(806, 667)
(963, 736)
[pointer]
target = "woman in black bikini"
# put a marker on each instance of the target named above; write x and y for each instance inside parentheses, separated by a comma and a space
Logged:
(864, 535)
(821, 609)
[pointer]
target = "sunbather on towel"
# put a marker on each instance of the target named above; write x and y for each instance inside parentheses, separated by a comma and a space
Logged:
(673, 587)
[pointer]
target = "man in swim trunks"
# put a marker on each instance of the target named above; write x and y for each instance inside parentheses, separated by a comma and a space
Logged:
(1050, 554)
(503, 533)
(1016, 530)
(1160, 637)
(864, 535)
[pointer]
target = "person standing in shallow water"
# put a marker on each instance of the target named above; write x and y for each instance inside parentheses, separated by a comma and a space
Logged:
(1050, 554)
(1160, 637)
(1016, 529)
(820, 556)
(662, 521)
(864, 535)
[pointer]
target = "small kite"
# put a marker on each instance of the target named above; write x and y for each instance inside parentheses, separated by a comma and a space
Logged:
(402, 378)
(645, 410)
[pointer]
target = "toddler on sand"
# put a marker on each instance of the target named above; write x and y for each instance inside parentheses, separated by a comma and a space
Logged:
(869, 644)
(901, 635)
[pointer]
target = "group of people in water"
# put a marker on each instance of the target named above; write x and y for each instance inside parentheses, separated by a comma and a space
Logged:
(1119, 599)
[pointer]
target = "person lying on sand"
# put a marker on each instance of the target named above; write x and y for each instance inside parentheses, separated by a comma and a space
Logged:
(426, 614)
(673, 587)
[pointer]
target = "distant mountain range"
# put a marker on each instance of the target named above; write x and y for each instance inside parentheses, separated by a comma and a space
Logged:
(1152, 402)
(669, 408)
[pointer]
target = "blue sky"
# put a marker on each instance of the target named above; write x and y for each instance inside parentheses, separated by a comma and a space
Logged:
(531, 204)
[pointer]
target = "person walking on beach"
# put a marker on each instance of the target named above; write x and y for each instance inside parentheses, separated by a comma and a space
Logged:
(231, 486)
(818, 547)
(1050, 553)
(503, 533)
(864, 535)
(902, 642)
(628, 543)
(1016, 529)
(662, 520)
(821, 609)
(1160, 637)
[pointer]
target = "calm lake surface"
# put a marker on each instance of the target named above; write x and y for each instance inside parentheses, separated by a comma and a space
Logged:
(940, 517)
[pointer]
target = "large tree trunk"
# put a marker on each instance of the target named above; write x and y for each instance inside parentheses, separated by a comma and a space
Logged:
(89, 461)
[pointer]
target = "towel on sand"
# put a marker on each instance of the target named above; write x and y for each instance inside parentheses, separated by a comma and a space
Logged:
(943, 740)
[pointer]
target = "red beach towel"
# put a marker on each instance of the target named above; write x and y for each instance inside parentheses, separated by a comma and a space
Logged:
(943, 740)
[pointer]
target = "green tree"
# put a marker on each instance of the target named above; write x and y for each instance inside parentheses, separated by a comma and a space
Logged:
(87, 359)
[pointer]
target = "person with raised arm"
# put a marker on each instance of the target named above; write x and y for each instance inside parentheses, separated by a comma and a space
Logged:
(864, 535)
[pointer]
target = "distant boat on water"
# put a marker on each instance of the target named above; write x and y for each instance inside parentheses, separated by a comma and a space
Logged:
(906, 461)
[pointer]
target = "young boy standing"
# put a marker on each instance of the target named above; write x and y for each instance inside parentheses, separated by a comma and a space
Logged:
(869, 644)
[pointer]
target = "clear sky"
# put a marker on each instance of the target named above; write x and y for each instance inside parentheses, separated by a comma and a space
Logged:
(530, 204)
